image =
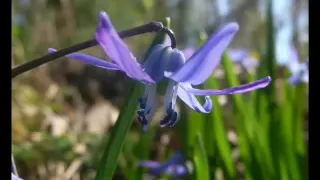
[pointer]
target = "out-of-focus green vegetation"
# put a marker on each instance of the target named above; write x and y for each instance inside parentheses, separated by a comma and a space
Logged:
(63, 112)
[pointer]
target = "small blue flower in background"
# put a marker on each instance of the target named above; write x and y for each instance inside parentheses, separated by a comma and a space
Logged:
(14, 177)
(167, 63)
(299, 70)
(243, 57)
(175, 167)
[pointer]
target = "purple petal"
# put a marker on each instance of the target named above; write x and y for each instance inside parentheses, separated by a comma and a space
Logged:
(90, 60)
(150, 164)
(193, 102)
(117, 50)
(235, 90)
(201, 65)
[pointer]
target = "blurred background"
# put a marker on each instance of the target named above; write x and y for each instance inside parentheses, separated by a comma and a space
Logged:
(63, 112)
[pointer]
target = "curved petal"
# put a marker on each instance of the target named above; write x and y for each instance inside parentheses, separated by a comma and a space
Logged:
(117, 50)
(90, 60)
(193, 102)
(235, 90)
(201, 65)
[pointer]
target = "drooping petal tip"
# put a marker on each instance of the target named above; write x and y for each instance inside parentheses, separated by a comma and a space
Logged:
(51, 50)
(104, 20)
(267, 80)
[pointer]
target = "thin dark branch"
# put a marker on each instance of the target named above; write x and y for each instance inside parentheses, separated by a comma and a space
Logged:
(171, 35)
(150, 27)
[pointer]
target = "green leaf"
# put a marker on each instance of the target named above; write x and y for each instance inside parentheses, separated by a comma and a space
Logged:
(201, 160)
(118, 134)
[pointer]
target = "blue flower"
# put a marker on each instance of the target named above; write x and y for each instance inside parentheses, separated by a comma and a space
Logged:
(167, 63)
(175, 166)
(299, 70)
(243, 57)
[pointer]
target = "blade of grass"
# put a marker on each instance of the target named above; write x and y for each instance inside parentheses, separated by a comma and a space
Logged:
(201, 160)
(219, 132)
(267, 96)
(118, 133)
(250, 146)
